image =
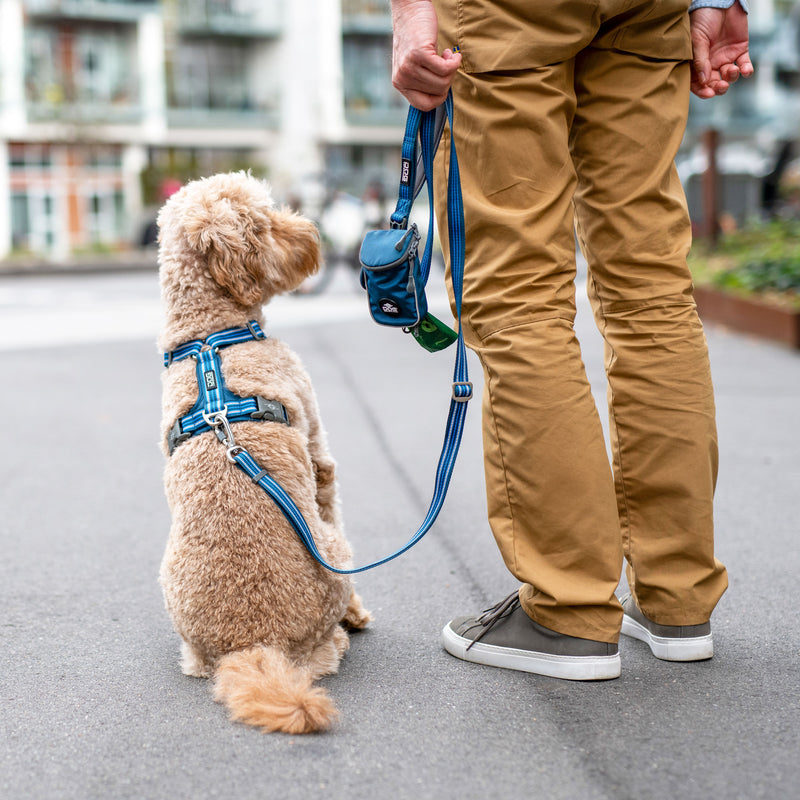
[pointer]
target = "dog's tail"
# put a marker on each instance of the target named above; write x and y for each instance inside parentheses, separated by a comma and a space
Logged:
(261, 687)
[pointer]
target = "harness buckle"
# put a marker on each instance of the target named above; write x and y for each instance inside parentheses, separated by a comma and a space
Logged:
(176, 436)
(270, 410)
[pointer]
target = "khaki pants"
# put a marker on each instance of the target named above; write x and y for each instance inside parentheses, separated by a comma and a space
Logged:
(570, 113)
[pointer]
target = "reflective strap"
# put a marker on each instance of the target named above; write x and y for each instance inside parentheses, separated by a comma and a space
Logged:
(229, 336)
(212, 394)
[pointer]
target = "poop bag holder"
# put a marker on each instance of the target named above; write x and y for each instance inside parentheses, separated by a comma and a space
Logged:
(391, 272)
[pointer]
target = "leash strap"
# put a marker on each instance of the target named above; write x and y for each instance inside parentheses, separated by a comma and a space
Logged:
(425, 126)
(216, 405)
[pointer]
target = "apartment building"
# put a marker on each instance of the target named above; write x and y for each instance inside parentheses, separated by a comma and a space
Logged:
(107, 105)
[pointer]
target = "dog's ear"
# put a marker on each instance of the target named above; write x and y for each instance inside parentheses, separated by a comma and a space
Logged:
(232, 237)
(297, 252)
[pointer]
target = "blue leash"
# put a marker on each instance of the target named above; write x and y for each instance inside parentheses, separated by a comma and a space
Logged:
(424, 126)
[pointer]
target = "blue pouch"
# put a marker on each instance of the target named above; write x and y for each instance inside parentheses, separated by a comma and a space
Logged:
(391, 273)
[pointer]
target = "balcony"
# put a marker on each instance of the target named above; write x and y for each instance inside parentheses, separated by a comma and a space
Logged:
(83, 114)
(81, 78)
(367, 16)
(219, 84)
(222, 119)
(229, 18)
(125, 11)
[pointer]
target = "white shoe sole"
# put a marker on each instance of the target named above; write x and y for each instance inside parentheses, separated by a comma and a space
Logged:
(697, 648)
(571, 668)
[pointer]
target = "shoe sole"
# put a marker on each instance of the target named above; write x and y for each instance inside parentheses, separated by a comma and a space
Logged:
(697, 648)
(571, 668)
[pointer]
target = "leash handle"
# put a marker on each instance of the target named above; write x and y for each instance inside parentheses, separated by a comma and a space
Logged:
(420, 141)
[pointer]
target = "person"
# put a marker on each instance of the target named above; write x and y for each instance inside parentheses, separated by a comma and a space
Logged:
(568, 118)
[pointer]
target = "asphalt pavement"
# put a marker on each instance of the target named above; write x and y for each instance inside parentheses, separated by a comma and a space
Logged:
(93, 701)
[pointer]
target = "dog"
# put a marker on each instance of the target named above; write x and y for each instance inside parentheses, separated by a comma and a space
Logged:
(255, 612)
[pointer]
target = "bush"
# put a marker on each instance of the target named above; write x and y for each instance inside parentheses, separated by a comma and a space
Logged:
(761, 259)
(778, 274)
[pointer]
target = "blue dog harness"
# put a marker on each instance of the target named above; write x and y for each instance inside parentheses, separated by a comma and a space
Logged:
(217, 406)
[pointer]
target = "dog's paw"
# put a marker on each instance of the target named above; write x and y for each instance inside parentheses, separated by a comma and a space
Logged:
(356, 616)
(193, 664)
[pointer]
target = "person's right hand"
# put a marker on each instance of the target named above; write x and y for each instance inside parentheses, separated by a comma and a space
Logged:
(419, 73)
(720, 49)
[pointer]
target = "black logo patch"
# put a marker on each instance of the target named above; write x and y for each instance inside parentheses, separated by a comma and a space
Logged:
(389, 306)
(405, 172)
(210, 379)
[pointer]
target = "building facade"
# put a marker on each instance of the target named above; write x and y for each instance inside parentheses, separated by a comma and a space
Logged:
(107, 105)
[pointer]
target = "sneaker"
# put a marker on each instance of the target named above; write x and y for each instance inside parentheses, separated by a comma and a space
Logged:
(505, 636)
(667, 642)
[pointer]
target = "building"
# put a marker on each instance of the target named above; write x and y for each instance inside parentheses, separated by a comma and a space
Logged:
(106, 105)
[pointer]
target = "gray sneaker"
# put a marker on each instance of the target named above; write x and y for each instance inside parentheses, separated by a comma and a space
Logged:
(667, 642)
(505, 636)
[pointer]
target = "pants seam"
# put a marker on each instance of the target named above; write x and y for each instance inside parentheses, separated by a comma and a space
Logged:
(503, 465)
(613, 419)
(532, 321)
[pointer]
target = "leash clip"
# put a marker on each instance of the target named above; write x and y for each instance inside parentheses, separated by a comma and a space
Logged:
(218, 420)
(219, 423)
(232, 452)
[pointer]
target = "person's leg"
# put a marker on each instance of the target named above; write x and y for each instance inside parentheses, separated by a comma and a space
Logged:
(550, 490)
(635, 231)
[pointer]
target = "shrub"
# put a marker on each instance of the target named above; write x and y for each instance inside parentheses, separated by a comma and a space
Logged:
(761, 259)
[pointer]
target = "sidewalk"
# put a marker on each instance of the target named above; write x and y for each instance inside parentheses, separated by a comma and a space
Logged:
(94, 704)
(89, 263)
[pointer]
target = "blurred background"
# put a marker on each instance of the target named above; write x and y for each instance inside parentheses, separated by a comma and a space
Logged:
(107, 106)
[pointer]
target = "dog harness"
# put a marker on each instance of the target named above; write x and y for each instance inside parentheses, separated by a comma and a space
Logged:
(217, 406)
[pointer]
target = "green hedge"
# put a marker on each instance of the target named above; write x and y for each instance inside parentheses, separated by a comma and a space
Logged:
(761, 259)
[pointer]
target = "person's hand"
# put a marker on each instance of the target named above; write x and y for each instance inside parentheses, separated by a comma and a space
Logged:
(719, 47)
(419, 73)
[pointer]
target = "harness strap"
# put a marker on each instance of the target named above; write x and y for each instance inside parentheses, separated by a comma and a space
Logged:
(224, 338)
(213, 396)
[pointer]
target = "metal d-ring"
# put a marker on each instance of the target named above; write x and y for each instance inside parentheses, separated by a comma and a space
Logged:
(219, 419)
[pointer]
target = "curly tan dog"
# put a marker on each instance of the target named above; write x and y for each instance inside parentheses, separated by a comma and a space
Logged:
(253, 608)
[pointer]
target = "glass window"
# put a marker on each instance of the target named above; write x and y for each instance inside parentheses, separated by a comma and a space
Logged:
(367, 74)
(210, 75)
(43, 80)
(20, 221)
(103, 67)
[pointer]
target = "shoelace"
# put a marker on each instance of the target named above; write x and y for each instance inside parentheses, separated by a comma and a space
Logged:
(491, 616)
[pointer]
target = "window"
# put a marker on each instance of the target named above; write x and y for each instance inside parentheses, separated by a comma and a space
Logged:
(210, 75)
(368, 82)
